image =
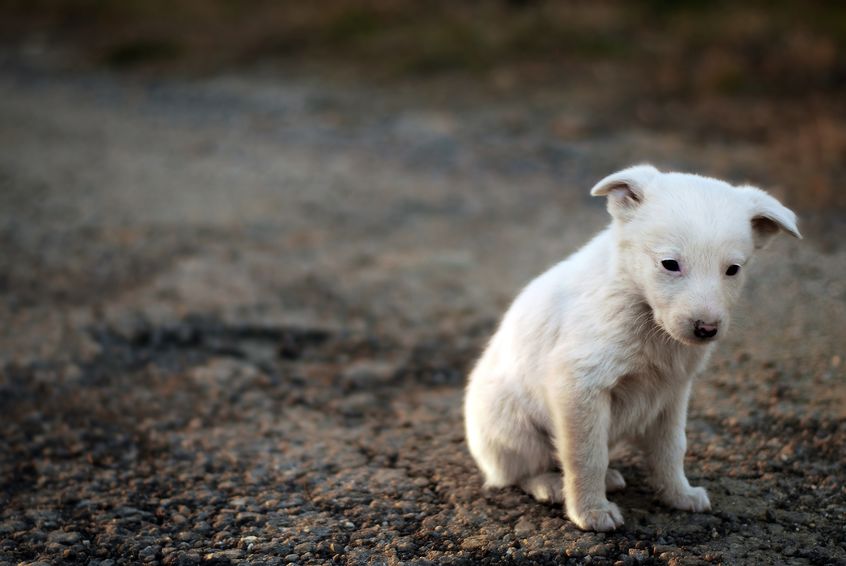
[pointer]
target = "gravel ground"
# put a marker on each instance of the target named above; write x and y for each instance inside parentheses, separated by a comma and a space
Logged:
(238, 313)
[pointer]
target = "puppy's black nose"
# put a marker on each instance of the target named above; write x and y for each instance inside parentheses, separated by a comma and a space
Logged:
(704, 330)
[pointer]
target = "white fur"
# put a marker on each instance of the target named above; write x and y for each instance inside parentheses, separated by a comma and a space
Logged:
(601, 349)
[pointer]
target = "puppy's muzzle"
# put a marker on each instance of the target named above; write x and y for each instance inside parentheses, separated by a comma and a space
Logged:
(705, 330)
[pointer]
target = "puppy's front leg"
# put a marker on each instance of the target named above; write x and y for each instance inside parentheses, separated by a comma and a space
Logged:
(582, 420)
(664, 444)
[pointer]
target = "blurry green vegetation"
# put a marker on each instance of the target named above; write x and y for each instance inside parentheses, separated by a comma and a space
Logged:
(689, 44)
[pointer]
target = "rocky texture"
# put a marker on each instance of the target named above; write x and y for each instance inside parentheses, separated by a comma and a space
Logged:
(238, 312)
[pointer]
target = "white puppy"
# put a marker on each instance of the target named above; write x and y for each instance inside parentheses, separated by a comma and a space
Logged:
(603, 347)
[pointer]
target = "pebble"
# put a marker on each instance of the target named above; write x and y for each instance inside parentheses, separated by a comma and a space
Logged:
(248, 540)
(62, 537)
(662, 548)
(247, 517)
(600, 550)
(369, 371)
(524, 527)
(406, 545)
(304, 547)
(229, 554)
(474, 542)
(638, 554)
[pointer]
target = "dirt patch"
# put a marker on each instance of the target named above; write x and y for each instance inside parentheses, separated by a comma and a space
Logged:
(203, 442)
(238, 313)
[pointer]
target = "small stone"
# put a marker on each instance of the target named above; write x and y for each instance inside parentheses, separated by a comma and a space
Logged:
(638, 554)
(524, 527)
(229, 554)
(658, 549)
(473, 542)
(406, 545)
(130, 512)
(600, 550)
(62, 537)
(149, 551)
(369, 371)
(304, 547)
(248, 540)
(247, 517)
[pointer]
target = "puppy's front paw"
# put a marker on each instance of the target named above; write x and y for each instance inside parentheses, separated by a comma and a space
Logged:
(693, 499)
(606, 517)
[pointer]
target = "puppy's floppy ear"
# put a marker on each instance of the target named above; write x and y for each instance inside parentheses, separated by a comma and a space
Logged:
(769, 216)
(625, 189)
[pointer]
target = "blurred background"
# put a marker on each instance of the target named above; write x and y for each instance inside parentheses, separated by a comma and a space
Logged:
(249, 249)
(769, 73)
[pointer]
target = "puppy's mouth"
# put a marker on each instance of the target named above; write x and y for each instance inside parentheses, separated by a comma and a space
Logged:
(670, 334)
(659, 328)
(685, 338)
(667, 332)
(695, 341)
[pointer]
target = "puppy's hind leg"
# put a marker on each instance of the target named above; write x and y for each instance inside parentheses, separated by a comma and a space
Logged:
(526, 459)
(547, 487)
(614, 481)
(507, 447)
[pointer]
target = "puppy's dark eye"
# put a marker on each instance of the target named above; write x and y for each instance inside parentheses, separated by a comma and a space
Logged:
(671, 265)
(732, 270)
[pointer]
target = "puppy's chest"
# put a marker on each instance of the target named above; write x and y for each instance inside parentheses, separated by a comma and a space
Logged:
(644, 390)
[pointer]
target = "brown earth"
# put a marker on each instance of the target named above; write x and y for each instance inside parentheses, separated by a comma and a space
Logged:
(238, 312)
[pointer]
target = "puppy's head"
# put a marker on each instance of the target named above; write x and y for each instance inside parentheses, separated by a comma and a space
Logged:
(684, 241)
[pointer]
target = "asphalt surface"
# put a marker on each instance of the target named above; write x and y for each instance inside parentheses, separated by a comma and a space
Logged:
(238, 312)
